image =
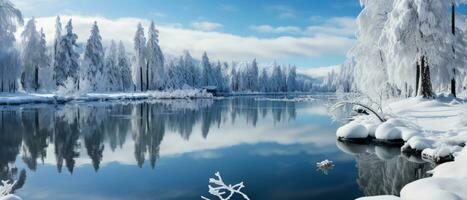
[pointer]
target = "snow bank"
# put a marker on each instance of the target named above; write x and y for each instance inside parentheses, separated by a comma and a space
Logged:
(449, 182)
(435, 128)
(23, 98)
(352, 131)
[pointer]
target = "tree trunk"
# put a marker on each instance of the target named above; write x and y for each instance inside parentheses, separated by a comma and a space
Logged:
(141, 77)
(453, 84)
(453, 80)
(36, 78)
(417, 80)
(426, 89)
(147, 77)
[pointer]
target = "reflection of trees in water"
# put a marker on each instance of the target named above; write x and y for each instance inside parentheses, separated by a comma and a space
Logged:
(97, 126)
(384, 171)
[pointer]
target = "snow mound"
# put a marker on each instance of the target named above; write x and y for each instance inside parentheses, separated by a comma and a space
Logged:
(352, 131)
(418, 143)
(388, 131)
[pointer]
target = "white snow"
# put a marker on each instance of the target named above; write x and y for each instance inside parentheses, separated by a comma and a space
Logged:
(352, 130)
(435, 127)
(449, 182)
(25, 98)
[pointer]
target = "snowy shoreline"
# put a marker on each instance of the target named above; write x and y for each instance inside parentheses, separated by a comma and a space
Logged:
(24, 98)
(435, 129)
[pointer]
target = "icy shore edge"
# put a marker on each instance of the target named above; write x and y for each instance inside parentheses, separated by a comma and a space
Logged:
(30, 98)
(434, 129)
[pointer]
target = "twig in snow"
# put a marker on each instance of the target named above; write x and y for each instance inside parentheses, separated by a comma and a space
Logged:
(220, 189)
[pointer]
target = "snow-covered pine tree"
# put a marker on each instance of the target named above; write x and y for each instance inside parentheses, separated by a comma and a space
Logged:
(264, 81)
(111, 70)
(67, 65)
(31, 56)
(253, 76)
(139, 65)
(155, 59)
(58, 37)
(193, 74)
(10, 63)
(234, 80)
(125, 69)
(45, 74)
(291, 79)
(419, 31)
(94, 59)
(367, 62)
(207, 70)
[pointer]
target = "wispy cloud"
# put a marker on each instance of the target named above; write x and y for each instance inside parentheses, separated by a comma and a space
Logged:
(336, 26)
(206, 25)
(220, 46)
(228, 7)
(340, 26)
(318, 72)
(279, 29)
(283, 11)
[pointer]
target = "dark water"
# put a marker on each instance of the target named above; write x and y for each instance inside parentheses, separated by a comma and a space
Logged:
(169, 150)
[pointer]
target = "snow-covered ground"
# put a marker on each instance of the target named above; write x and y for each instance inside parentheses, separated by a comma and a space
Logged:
(436, 129)
(26, 98)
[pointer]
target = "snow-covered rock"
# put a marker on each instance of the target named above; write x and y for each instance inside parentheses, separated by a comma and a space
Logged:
(388, 131)
(352, 131)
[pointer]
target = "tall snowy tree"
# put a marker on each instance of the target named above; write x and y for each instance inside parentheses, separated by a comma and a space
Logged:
(292, 79)
(140, 58)
(124, 69)
(45, 74)
(193, 74)
(31, 56)
(111, 70)
(264, 81)
(67, 65)
(207, 71)
(10, 67)
(252, 76)
(155, 59)
(58, 37)
(94, 59)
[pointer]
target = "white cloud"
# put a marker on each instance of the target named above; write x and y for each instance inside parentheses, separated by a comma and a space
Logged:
(27, 5)
(206, 26)
(279, 29)
(283, 12)
(318, 72)
(220, 46)
(340, 26)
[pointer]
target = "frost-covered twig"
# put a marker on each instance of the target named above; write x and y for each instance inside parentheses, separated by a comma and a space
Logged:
(220, 189)
(325, 166)
(367, 108)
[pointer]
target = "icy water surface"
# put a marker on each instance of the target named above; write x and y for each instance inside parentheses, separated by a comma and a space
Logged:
(169, 149)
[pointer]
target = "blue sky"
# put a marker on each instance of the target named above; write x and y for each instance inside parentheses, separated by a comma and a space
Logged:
(324, 28)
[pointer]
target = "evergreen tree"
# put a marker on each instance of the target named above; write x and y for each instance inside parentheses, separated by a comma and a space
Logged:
(124, 68)
(31, 56)
(292, 79)
(10, 67)
(264, 81)
(140, 58)
(94, 58)
(66, 66)
(112, 71)
(207, 70)
(155, 59)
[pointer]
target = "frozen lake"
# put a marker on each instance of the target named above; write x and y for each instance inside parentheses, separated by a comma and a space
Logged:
(169, 149)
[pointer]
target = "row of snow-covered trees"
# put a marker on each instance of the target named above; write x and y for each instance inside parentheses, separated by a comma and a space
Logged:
(36, 67)
(407, 48)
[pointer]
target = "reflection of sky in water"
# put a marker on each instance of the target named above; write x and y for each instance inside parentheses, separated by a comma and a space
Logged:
(271, 146)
